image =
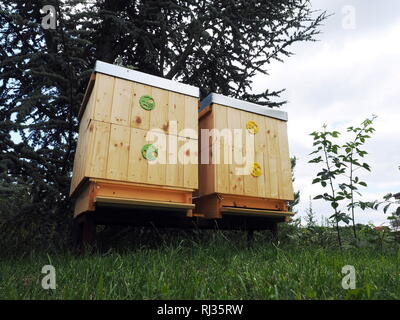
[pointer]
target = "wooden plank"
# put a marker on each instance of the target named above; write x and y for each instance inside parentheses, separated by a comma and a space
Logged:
(189, 151)
(159, 115)
(156, 170)
(191, 119)
(108, 188)
(260, 144)
(255, 212)
(137, 165)
(83, 202)
(207, 170)
(250, 183)
(176, 112)
(96, 165)
(218, 150)
(122, 102)
(88, 113)
(88, 93)
(273, 159)
(140, 118)
(286, 171)
(114, 201)
(235, 180)
(104, 96)
(174, 168)
(253, 202)
(118, 153)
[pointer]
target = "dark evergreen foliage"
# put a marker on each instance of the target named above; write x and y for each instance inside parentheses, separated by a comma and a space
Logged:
(216, 45)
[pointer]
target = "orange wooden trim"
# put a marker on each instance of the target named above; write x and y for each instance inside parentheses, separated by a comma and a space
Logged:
(84, 200)
(141, 185)
(211, 205)
(206, 110)
(229, 200)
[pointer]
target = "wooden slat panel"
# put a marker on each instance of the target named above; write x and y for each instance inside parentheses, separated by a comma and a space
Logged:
(235, 180)
(206, 170)
(118, 153)
(286, 175)
(222, 168)
(96, 165)
(122, 102)
(89, 110)
(174, 168)
(140, 118)
(260, 144)
(156, 170)
(104, 95)
(176, 112)
(137, 165)
(159, 115)
(189, 159)
(273, 156)
(250, 182)
(191, 120)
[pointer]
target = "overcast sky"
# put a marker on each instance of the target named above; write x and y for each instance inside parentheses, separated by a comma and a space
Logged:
(352, 72)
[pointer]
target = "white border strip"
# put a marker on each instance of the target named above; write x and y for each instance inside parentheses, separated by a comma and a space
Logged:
(243, 105)
(144, 78)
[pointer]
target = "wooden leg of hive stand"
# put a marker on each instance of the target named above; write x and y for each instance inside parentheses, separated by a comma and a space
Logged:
(88, 234)
(274, 231)
(77, 234)
(250, 238)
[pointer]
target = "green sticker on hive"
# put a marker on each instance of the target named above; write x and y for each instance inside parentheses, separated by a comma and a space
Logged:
(147, 102)
(150, 152)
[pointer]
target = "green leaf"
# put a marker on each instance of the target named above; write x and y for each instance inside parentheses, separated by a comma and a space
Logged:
(386, 207)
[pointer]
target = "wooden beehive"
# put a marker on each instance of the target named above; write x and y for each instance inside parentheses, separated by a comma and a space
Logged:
(266, 188)
(109, 165)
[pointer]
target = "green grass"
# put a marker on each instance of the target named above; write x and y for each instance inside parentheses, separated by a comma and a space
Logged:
(216, 268)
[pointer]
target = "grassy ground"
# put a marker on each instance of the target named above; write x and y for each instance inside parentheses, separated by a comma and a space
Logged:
(215, 268)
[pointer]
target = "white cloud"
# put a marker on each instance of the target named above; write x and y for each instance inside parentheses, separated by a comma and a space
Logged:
(341, 80)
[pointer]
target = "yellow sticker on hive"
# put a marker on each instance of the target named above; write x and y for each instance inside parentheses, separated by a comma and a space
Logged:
(256, 171)
(252, 127)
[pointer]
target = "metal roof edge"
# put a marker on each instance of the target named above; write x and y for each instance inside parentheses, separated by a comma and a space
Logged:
(144, 78)
(243, 105)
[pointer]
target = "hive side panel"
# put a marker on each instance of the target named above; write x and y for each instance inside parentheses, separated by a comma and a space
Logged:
(206, 169)
(89, 109)
(273, 157)
(236, 179)
(140, 118)
(260, 144)
(118, 153)
(286, 171)
(104, 96)
(77, 173)
(137, 165)
(122, 102)
(82, 144)
(98, 145)
(221, 149)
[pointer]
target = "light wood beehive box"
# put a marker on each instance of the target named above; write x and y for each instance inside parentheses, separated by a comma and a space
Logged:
(220, 188)
(109, 164)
